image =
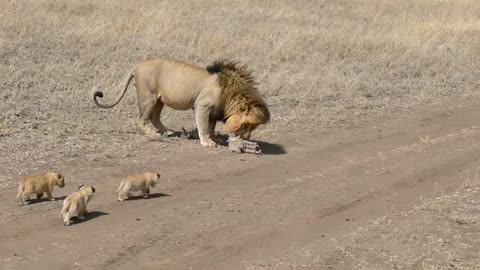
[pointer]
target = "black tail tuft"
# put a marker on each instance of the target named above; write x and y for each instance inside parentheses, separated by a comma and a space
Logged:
(98, 94)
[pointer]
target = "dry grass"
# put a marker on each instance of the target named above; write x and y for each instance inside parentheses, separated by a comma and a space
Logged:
(318, 62)
(317, 59)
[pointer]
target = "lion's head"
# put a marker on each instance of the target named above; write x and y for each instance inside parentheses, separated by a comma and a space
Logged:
(244, 109)
(245, 118)
(154, 177)
(58, 179)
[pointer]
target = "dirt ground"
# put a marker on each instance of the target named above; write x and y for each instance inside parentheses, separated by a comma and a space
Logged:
(371, 160)
(307, 203)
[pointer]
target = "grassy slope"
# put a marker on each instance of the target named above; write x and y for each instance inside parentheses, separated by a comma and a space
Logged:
(317, 61)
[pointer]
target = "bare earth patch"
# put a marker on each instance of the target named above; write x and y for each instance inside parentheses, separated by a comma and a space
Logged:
(375, 108)
(439, 232)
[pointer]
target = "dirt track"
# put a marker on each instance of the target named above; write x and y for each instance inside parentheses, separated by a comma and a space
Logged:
(242, 211)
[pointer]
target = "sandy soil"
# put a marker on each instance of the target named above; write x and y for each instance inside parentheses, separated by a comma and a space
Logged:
(217, 210)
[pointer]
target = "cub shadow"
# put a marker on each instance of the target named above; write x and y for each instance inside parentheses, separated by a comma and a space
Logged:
(88, 216)
(34, 200)
(150, 196)
(222, 140)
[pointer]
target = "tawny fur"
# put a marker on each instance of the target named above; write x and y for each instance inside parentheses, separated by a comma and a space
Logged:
(223, 92)
(39, 184)
(75, 205)
(139, 182)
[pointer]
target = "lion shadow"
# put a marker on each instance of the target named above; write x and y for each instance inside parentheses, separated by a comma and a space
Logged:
(222, 140)
(185, 134)
(89, 216)
(44, 199)
(150, 196)
(271, 148)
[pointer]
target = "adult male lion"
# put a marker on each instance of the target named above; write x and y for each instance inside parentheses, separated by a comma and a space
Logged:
(223, 92)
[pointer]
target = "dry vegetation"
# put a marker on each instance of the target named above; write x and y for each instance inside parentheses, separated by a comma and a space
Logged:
(316, 60)
(318, 63)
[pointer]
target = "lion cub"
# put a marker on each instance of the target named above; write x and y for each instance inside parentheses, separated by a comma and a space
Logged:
(39, 184)
(137, 182)
(75, 205)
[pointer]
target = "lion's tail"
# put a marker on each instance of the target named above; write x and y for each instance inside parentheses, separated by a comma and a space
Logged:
(125, 86)
(65, 208)
(120, 187)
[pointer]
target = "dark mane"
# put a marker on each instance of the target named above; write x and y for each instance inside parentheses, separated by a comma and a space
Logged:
(238, 87)
(228, 68)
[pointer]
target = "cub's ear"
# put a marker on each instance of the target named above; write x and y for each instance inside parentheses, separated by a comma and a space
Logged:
(93, 189)
(81, 185)
(59, 176)
(158, 175)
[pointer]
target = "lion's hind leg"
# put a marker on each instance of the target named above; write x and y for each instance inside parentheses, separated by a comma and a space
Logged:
(143, 120)
(71, 212)
(155, 117)
(26, 197)
(123, 193)
(82, 213)
(146, 106)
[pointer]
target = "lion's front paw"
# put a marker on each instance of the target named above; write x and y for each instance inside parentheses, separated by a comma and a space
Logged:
(208, 143)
